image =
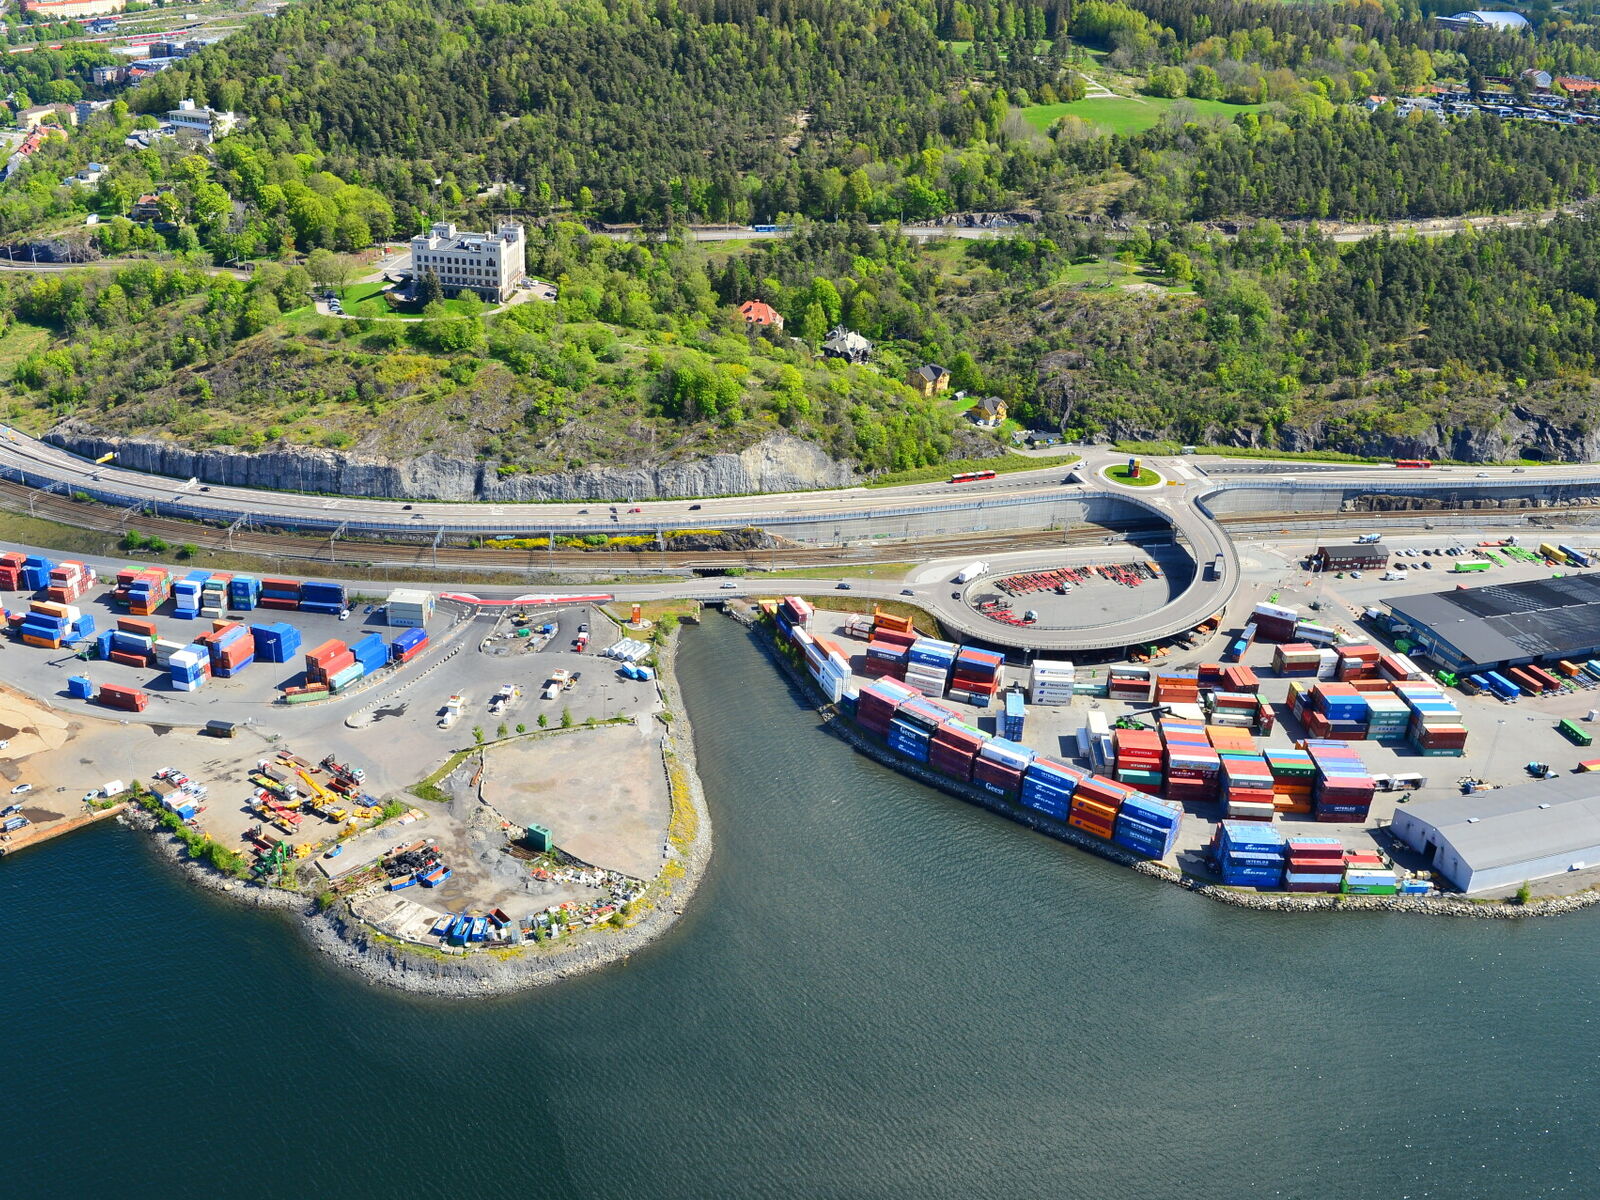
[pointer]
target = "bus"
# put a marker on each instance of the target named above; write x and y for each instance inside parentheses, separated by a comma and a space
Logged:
(1415, 464)
(971, 476)
(1575, 733)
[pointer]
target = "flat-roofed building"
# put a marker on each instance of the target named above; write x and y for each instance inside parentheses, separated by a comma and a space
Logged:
(490, 264)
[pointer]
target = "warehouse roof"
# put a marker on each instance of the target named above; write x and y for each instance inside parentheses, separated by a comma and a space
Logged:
(1517, 824)
(1539, 619)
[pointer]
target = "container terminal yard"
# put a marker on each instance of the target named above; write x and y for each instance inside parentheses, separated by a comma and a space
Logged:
(1346, 699)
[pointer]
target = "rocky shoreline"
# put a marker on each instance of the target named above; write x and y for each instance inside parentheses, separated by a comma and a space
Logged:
(421, 970)
(836, 723)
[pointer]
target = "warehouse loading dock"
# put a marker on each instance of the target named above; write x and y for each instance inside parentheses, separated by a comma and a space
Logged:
(1487, 628)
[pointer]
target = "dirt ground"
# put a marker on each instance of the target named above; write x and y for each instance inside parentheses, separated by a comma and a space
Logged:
(601, 792)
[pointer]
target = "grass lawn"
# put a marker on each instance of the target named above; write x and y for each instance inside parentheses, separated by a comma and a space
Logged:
(892, 570)
(1000, 465)
(366, 300)
(21, 340)
(1127, 114)
(1145, 478)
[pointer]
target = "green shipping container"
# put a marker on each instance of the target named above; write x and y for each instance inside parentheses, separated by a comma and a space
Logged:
(539, 838)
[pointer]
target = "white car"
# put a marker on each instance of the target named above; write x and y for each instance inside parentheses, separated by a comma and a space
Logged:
(344, 614)
(729, 586)
(20, 788)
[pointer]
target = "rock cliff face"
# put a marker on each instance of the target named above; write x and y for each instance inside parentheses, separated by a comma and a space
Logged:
(1520, 433)
(776, 464)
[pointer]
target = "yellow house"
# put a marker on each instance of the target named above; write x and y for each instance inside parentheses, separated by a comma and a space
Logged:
(990, 411)
(929, 379)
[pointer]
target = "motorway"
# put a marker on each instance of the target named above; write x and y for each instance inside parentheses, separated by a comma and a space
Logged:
(1181, 500)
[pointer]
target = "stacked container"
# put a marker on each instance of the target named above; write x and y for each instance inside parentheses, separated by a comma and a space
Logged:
(131, 643)
(144, 591)
(796, 612)
(11, 571)
(1398, 666)
(408, 645)
(1177, 687)
(186, 595)
(884, 658)
(1296, 658)
(280, 593)
(1387, 717)
(1051, 683)
(928, 665)
(954, 748)
(278, 642)
(231, 647)
(1358, 662)
(1294, 779)
(408, 608)
(1274, 622)
(326, 598)
(189, 668)
(1047, 787)
(1013, 717)
(370, 652)
(1193, 766)
(128, 699)
(327, 660)
(1248, 786)
(1343, 790)
(977, 675)
(244, 593)
(1129, 683)
(50, 626)
(1249, 854)
(1365, 875)
(68, 582)
(1095, 804)
(162, 650)
(1316, 864)
(1138, 759)
(1337, 710)
(877, 703)
(999, 766)
(1434, 728)
(1148, 826)
(1094, 741)
(214, 595)
(1236, 709)
(35, 573)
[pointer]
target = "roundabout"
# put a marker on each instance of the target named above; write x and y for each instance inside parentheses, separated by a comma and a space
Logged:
(1140, 476)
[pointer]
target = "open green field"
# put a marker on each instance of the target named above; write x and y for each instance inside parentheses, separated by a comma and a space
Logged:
(1120, 474)
(366, 300)
(1127, 114)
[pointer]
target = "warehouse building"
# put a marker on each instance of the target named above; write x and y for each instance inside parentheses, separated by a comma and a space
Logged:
(1506, 625)
(1509, 836)
(1356, 556)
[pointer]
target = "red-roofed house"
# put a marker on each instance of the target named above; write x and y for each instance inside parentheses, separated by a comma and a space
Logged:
(755, 312)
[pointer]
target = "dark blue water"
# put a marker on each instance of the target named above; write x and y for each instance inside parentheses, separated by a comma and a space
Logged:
(880, 991)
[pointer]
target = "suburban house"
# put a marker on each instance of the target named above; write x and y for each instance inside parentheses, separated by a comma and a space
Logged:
(929, 379)
(1578, 85)
(491, 264)
(759, 314)
(147, 207)
(32, 118)
(846, 344)
(990, 411)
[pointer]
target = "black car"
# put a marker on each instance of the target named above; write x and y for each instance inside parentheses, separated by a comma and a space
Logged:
(841, 587)
(694, 508)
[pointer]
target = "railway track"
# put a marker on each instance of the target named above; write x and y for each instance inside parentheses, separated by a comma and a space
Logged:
(457, 561)
(453, 560)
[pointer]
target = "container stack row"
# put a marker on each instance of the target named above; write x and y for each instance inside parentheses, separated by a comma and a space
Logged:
(1138, 759)
(1275, 623)
(1343, 791)
(230, 647)
(1434, 728)
(142, 590)
(929, 662)
(1249, 854)
(24, 572)
(921, 729)
(1248, 784)
(244, 593)
(977, 675)
(280, 593)
(408, 645)
(1052, 683)
(1193, 765)
(50, 625)
(825, 662)
(1294, 779)
(68, 582)
(190, 667)
(1315, 864)
(326, 598)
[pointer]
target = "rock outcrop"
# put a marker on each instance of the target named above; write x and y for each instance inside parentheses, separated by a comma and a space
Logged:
(779, 463)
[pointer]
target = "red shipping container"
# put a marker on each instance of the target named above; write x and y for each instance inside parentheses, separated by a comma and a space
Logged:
(134, 625)
(985, 771)
(129, 660)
